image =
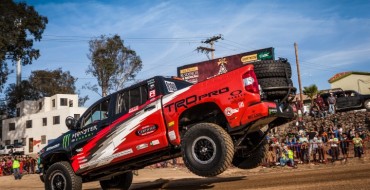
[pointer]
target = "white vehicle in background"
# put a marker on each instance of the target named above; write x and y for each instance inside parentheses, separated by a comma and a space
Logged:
(12, 149)
(6, 150)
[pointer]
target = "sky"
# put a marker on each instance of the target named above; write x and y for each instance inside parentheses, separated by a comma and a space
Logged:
(333, 35)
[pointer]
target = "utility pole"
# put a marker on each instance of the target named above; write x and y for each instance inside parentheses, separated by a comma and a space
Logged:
(211, 49)
(299, 72)
(19, 72)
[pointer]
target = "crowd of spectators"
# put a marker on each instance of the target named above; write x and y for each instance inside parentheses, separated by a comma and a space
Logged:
(24, 163)
(319, 139)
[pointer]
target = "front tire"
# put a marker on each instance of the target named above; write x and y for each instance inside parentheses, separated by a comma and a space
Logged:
(122, 182)
(207, 149)
(60, 176)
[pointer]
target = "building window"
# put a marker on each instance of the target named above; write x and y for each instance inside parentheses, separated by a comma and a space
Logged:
(56, 120)
(70, 103)
(63, 101)
(7, 142)
(11, 126)
(53, 102)
(77, 116)
(29, 124)
(44, 121)
(18, 112)
(40, 105)
(15, 142)
(43, 139)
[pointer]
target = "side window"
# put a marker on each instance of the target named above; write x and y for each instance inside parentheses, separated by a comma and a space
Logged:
(97, 113)
(131, 98)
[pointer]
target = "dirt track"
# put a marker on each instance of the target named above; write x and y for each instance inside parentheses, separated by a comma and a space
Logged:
(353, 175)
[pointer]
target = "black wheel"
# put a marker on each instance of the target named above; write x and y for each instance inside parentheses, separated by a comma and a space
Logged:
(122, 182)
(60, 176)
(272, 68)
(367, 105)
(207, 149)
(244, 158)
(42, 178)
(275, 82)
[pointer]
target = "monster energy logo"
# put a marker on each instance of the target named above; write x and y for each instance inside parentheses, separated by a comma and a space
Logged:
(66, 140)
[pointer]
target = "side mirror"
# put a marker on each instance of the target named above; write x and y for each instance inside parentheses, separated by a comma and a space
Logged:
(71, 123)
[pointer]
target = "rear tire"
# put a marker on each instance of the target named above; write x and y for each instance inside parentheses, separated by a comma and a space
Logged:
(254, 158)
(272, 68)
(60, 176)
(275, 82)
(207, 149)
(122, 182)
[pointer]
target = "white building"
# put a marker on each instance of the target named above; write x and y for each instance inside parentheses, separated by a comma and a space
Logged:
(41, 121)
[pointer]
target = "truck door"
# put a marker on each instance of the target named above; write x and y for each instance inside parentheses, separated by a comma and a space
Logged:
(139, 125)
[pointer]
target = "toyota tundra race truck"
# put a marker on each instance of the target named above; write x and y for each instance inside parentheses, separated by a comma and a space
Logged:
(211, 125)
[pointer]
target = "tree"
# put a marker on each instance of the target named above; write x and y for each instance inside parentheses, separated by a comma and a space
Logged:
(310, 91)
(112, 63)
(15, 94)
(51, 82)
(41, 83)
(18, 22)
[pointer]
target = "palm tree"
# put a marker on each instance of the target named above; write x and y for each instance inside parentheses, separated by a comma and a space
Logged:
(310, 91)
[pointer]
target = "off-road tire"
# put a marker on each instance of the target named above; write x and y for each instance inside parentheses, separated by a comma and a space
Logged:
(275, 82)
(122, 182)
(272, 68)
(254, 158)
(42, 178)
(207, 149)
(60, 175)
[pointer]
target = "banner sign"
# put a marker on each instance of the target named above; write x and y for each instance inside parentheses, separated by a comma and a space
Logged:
(201, 71)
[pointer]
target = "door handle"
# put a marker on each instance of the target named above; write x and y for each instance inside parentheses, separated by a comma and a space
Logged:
(149, 108)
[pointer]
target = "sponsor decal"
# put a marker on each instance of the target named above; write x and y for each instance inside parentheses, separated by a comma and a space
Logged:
(146, 130)
(133, 109)
(108, 158)
(171, 86)
(230, 111)
(79, 150)
(152, 94)
(155, 142)
(172, 123)
(172, 135)
(152, 86)
(249, 58)
(241, 104)
(66, 140)
(272, 111)
(253, 116)
(141, 146)
(236, 96)
(150, 82)
(193, 99)
(52, 147)
(84, 133)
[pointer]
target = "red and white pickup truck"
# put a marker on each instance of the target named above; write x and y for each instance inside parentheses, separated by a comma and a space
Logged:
(211, 125)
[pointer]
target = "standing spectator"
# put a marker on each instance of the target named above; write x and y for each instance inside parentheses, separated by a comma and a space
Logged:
(344, 144)
(320, 102)
(16, 167)
(315, 147)
(334, 148)
(321, 149)
(331, 102)
(357, 143)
